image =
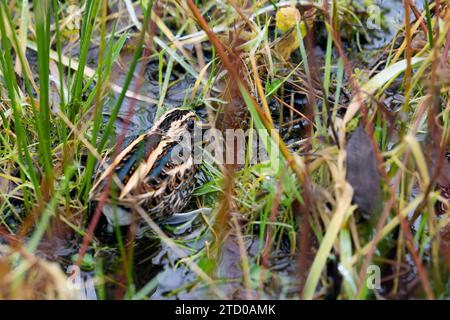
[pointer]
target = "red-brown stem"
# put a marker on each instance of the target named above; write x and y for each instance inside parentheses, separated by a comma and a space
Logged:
(418, 16)
(408, 52)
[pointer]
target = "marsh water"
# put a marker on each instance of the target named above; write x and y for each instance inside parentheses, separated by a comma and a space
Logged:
(155, 267)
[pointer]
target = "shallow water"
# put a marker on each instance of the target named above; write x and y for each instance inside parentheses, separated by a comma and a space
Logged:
(155, 260)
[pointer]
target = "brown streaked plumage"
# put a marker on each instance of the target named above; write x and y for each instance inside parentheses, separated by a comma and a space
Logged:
(151, 171)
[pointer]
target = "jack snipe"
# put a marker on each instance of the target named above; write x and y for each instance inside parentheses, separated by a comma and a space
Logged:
(151, 171)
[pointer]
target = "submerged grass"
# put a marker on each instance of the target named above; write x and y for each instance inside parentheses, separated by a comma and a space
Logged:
(291, 226)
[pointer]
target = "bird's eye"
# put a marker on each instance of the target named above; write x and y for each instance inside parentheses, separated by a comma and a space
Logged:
(190, 124)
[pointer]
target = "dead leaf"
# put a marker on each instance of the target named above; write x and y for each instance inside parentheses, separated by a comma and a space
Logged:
(362, 173)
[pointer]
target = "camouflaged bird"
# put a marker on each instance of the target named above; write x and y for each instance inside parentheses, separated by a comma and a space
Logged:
(151, 172)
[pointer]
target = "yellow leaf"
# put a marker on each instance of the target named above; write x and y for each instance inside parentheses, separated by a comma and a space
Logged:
(287, 18)
(288, 43)
(286, 22)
